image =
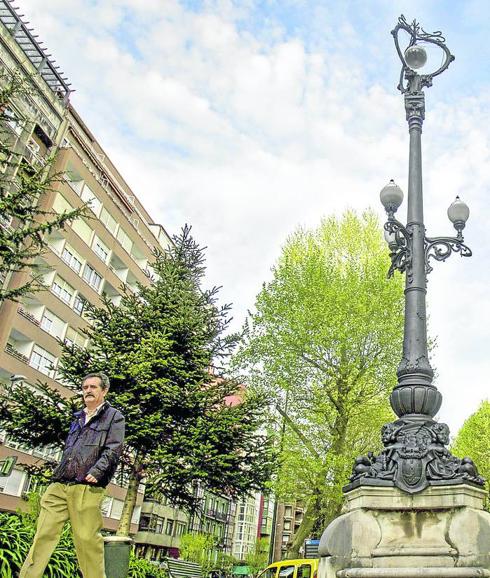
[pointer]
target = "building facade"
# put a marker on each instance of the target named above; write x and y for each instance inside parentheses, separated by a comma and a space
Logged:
(288, 518)
(93, 257)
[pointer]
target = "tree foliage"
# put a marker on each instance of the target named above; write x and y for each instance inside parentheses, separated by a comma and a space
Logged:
(157, 347)
(198, 548)
(323, 344)
(24, 223)
(473, 441)
(257, 559)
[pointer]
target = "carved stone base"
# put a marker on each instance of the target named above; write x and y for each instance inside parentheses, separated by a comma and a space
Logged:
(442, 532)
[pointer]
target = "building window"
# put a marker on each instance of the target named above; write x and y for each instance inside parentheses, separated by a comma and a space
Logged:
(82, 229)
(62, 289)
(47, 321)
(5, 221)
(79, 304)
(52, 324)
(13, 121)
(91, 276)
(108, 220)
(90, 198)
(71, 259)
(125, 240)
(13, 484)
(101, 250)
(72, 338)
(42, 360)
(169, 528)
(288, 511)
(158, 524)
(180, 529)
(287, 524)
(106, 506)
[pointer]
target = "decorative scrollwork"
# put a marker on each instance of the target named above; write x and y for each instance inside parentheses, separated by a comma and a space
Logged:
(414, 81)
(400, 244)
(440, 248)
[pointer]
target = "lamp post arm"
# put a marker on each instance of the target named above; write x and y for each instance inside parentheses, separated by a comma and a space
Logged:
(400, 245)
(440, 248)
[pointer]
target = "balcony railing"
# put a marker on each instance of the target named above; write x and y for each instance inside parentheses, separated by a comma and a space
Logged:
(33, 158)
(10, 349)
(223, 516)
(28, 316)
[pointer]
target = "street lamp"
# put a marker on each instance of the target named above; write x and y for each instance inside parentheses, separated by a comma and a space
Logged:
(415, 455)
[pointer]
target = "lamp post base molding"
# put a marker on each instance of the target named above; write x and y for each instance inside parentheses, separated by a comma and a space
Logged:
(442, 532)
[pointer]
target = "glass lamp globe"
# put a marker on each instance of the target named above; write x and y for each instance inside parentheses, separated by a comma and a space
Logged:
(458, 211)
(391, 196)
(415, 56)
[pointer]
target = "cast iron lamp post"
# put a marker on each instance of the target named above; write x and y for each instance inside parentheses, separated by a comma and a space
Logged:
(415, 455)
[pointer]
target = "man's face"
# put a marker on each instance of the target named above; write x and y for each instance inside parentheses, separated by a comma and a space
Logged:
(93, 393)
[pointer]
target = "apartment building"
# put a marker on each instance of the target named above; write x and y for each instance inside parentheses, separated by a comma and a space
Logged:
(289, 516)
(247, 526)
(91, 258)
(215, 516)
(160, 528)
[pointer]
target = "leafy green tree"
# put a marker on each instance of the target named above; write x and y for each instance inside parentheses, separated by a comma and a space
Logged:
(323, 344)
(24, 222)
(258, 557)
(473, 440)
(198, 548)
(157, 347)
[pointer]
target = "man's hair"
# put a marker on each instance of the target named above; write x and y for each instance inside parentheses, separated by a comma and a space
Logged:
(104, 380)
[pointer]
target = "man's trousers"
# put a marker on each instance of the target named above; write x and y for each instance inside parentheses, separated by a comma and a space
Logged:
(80, 504)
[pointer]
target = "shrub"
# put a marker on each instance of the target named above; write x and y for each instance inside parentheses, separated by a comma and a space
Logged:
(140, 568)
(16, 534)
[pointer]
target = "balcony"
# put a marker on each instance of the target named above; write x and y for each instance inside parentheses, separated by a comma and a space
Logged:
(28, 316)
(10, 349)
(33, 157)
(222, 516)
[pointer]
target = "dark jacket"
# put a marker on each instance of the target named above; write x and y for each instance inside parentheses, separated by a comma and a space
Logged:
(93, 448)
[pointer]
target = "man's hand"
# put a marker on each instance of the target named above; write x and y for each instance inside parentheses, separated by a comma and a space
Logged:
(90, 479)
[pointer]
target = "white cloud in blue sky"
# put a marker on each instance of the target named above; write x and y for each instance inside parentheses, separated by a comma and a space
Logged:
(247, 119)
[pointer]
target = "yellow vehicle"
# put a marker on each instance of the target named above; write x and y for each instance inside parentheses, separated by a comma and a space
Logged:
(303, 568)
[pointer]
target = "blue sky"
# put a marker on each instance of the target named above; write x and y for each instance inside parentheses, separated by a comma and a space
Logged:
(248, 119)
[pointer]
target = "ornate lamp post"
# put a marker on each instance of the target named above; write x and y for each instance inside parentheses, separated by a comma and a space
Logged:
(415, 455)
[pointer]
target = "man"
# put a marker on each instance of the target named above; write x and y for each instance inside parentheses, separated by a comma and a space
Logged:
(92, 451)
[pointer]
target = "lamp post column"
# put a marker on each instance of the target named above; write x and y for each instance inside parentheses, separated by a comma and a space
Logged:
(414, 454)
(415, 394)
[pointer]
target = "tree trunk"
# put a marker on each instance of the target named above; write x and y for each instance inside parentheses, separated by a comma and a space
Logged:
(309, 519)
(316, 514)
(129, 504)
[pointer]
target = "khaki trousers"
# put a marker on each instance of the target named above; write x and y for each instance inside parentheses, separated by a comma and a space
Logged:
(80, 504)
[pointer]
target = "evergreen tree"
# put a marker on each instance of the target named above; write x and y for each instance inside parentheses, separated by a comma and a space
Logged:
(184, 425)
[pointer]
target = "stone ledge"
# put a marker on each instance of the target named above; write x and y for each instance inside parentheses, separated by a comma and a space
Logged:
(473, 572)
(432, 498)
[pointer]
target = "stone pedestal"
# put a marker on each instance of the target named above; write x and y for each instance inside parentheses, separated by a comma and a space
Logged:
(442, 532)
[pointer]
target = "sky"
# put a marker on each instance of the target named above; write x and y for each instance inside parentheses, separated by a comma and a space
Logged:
(247, 119)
